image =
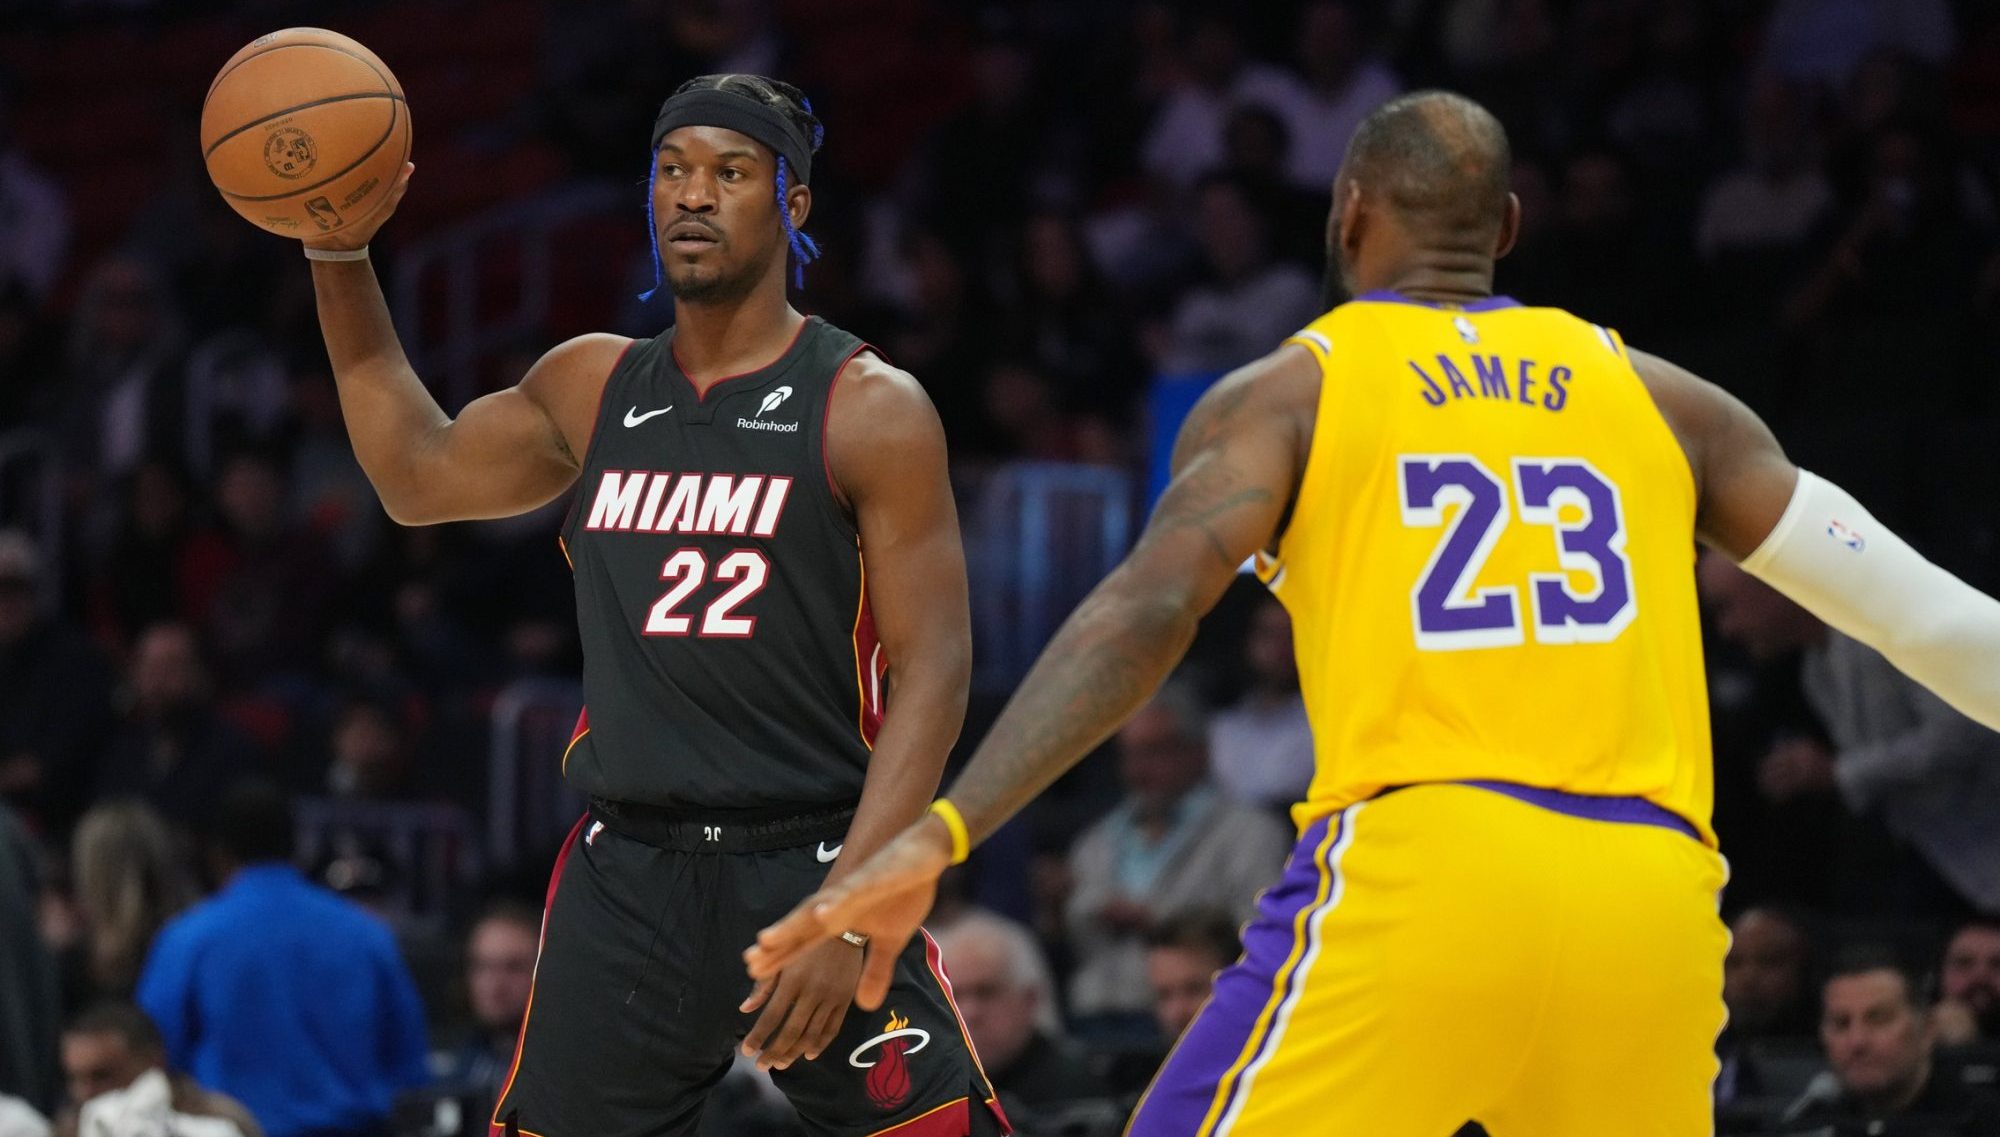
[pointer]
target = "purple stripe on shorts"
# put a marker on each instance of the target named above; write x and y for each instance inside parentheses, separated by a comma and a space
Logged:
(1185, 1088)
(1627, 810)
(1488, 304)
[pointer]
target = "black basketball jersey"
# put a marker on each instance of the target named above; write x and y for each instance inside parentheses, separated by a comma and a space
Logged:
(729, 659)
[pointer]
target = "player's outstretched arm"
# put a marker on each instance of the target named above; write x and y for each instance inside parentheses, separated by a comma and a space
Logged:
(1809, 539)
(886, 456)
(506, 453)
(1236, 467)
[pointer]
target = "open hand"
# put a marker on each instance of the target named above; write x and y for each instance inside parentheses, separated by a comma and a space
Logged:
(357, 233)
(804, 1005)
(886, 899)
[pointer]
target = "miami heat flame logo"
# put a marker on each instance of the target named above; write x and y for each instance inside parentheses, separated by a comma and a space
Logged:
(888, 1080)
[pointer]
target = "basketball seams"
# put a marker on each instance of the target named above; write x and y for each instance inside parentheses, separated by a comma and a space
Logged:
(217, 144)
(342, 172)
(389, 84)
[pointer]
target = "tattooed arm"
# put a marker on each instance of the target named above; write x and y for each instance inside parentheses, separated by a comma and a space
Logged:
(1236, 466)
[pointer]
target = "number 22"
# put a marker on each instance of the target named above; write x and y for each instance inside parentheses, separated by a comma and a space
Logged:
(1447, 619)
(688, 569)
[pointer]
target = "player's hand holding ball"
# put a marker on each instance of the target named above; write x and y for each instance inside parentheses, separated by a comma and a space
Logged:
(306, 133)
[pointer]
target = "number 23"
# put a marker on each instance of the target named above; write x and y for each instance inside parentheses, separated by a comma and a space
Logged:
(1448, 619)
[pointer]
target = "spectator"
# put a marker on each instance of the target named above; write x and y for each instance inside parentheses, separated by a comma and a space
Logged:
(1764, 975)
(1764, 986)
(1344, 81)
(129, 882)
(1613, 268)
(1970, 1008)
(1778, 195)
(1068, 322)
(940, 333)
(1257, 148)
(1880, 1042)
(1932, 774)
(1021, 408)
(255, 584)
(34, 217)
(995, 150)
(124, 394)
(1184, 142)
(1250, 301)
(371, 753)
(55, 695)
(1004, 993)
(1893, 285)
(1182, 956)
(1262, 748)
(28, 1013)
(242, 986)
(151, 529)
(1172, 844)
(109, 1048)
(500, 954)
(173, 750)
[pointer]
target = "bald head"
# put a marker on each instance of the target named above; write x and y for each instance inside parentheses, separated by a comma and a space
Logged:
(1441, 160)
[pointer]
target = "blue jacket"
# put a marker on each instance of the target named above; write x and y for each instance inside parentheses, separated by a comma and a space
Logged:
(291, 1000)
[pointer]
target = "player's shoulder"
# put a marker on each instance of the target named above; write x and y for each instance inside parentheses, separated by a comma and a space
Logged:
(1286, 378)
(590, 354)
(569, 380)
(871, 392)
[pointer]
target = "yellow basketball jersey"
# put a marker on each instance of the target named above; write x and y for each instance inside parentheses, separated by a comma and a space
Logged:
(1490, 565)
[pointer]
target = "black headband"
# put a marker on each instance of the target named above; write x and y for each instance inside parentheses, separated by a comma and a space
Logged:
(710, 106)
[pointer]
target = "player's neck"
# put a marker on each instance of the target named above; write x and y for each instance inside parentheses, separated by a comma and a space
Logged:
(1442, 277)
(715, 341)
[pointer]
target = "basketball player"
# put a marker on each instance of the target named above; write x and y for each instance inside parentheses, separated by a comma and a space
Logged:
(771, 596)
(1502, 906)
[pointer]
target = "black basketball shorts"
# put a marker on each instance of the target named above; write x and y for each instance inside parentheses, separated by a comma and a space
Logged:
(632, 1019)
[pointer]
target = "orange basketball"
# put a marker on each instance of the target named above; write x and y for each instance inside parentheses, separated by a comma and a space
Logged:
(304, 131)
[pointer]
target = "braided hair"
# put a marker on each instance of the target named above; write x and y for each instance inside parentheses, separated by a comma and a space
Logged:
(793, 104)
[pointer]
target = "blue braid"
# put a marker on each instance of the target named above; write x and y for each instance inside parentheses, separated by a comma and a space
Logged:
(819, 132)
(803, 247)
(653, 231)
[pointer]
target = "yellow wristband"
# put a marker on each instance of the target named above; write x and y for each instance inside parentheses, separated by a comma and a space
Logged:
(961, 843)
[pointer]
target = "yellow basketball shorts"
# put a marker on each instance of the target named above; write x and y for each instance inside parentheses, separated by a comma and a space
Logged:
(1547, 964)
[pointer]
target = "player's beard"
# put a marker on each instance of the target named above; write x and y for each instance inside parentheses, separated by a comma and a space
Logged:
(692, 284)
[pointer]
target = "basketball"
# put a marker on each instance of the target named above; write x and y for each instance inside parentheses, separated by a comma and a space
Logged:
(304, 131)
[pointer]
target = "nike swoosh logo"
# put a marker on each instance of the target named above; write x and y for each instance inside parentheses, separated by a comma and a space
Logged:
(634, 418)
(825, 854)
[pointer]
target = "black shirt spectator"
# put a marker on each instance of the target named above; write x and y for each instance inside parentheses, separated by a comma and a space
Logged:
(55, 697)
(27, 977)
(1880, 1044)
(173, 750)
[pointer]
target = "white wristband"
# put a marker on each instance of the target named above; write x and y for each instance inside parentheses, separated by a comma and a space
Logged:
(360, 254)
(1848, 569)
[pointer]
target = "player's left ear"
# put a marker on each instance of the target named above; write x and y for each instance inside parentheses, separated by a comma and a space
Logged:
(799, 202)
(1510, 228)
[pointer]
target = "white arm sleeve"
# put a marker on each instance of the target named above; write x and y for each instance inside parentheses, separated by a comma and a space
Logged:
(1848, 569)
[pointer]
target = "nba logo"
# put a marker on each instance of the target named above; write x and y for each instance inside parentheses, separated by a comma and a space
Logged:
(596, 827)
(1845, 536)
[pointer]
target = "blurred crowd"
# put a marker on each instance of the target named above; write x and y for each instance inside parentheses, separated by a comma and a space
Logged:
(212, 641)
